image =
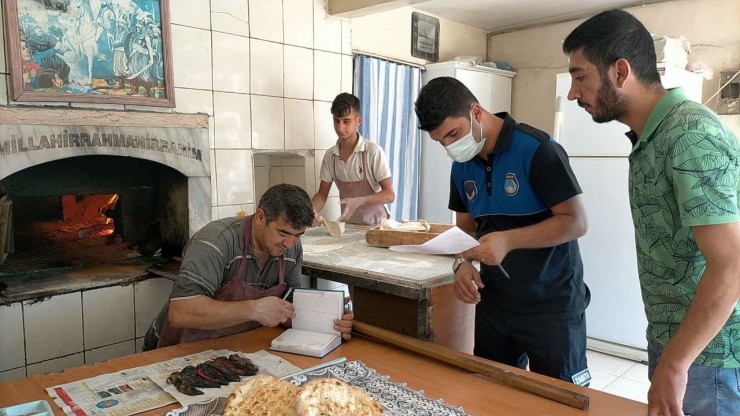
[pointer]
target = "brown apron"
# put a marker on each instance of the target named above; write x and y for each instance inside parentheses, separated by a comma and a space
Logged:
(235, 289)
(366, 214)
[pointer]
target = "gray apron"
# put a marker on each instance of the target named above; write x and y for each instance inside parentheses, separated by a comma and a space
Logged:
(236, 289)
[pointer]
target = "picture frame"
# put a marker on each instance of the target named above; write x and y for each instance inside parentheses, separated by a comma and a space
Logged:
(90, 51)
(424, 37)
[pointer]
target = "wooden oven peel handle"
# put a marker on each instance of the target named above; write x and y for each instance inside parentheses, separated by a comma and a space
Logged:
(475, 364)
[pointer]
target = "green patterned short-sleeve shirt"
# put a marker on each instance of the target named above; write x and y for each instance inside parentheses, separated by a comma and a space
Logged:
(684, 172)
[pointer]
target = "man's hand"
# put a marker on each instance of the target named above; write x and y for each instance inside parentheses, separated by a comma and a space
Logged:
(491, 251)
(317, 219)
(271, 311)
(467, 283)
(344, 325)
(349, 206)
(667, 390)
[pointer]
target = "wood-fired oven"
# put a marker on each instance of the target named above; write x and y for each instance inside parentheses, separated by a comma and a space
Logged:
(83, 196)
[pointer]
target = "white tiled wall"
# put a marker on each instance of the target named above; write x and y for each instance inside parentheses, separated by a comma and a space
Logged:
(58, 319)
(56, 364)
(191, 57)
(268, 122)
(266, 17)
(227, 49)
(101, 354)
(298, 84)
(108, 316)
(298, 124)
(11, 341)
(232, 126)
(77, 328)
(149, 297)
(265, 72)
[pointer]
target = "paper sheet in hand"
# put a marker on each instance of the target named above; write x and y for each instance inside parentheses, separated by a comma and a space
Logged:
(452, 241)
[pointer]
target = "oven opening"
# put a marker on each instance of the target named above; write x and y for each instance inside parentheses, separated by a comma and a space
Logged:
(68, 230)
(79, 212)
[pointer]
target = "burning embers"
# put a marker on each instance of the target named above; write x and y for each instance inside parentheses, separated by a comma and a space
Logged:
(67, 230)
(90, 216)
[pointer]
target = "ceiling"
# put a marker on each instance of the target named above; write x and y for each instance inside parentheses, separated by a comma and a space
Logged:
(504, 15)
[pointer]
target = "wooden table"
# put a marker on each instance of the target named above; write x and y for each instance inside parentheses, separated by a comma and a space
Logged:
(478, 395)
(405, 292)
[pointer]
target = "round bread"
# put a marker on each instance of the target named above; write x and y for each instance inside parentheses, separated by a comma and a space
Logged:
(262, 395)
(328, 396)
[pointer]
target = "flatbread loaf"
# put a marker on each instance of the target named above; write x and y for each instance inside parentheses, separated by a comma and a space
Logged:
(328, 396)
(262, 395)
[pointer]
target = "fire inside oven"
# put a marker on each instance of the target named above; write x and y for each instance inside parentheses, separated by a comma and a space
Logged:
(67, 231)
(92, 210)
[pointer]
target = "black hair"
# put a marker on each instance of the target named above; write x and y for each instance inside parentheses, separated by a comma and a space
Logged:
(613, 35)
(441, 98)
(343, 105)
(289, 202)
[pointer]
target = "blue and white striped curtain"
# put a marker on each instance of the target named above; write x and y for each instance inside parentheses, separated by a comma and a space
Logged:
(387, 91)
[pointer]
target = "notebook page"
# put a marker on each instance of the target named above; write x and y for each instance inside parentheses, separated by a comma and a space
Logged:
(316, 310)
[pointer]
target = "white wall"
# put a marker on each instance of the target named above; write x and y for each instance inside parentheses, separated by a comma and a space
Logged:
(389, 34)
(77, 328)
(265, 72)
(711, 26)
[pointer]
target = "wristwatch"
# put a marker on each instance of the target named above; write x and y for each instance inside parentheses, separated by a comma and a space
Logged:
(458, 261)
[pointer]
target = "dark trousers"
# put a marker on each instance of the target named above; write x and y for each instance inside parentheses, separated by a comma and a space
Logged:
(553, 347)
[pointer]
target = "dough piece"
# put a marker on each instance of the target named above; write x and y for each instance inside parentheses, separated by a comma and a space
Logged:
(262, 395)
(328, 396)
(336, 228)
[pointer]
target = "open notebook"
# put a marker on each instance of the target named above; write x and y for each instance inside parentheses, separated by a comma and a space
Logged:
(313, 331)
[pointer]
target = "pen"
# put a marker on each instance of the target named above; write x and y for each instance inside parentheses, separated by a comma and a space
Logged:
(500, 267)
(290, 289)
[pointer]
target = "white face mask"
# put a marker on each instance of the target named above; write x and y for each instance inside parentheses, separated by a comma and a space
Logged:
(466, 147)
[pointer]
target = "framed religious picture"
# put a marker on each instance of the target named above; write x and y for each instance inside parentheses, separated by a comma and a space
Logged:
(92, 51)
(424, 37)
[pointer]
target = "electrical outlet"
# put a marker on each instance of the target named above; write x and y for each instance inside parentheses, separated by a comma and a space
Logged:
(728, 101)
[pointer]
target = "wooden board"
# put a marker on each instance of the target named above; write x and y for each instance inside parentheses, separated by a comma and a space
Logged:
(387, 238)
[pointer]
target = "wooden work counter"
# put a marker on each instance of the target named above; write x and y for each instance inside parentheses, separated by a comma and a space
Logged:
(477, 394)
(408, 293)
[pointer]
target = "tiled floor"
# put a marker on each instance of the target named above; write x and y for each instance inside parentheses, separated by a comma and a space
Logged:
(618, 376)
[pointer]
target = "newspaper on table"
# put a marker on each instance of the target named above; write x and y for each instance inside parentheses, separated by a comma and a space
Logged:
(139, 389)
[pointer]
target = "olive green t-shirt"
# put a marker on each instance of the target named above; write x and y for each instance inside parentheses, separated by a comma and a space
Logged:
(684, 172)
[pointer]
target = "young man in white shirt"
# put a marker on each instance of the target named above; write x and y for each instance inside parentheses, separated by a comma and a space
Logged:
(357, 166)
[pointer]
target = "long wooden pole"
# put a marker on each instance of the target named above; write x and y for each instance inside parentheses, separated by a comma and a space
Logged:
(474, 364)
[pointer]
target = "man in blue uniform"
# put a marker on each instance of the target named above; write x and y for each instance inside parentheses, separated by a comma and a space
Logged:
(512, 187)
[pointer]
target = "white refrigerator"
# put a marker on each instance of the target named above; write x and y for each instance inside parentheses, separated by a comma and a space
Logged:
(598, 154)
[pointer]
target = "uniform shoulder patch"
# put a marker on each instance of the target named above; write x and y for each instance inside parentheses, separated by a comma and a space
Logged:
(471, 191)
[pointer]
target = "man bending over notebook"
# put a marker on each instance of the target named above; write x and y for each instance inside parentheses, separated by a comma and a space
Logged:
(235, 271)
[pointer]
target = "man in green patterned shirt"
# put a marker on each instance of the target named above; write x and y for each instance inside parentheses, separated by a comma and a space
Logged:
(684, 186)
